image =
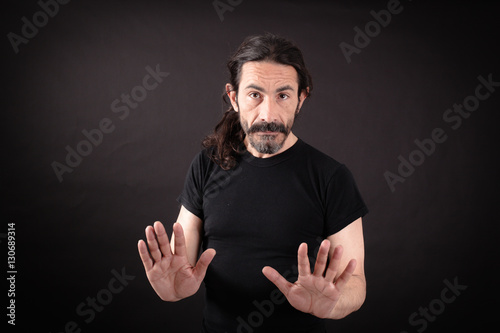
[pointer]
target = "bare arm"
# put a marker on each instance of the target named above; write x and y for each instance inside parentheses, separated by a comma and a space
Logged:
(354, 293)
(192, 226)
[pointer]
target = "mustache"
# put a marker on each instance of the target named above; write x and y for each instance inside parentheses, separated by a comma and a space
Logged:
(268, 127)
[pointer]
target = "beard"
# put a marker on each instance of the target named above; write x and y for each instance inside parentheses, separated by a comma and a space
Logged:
(268, 143)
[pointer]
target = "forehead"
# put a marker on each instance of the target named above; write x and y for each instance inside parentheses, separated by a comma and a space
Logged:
(268, 73)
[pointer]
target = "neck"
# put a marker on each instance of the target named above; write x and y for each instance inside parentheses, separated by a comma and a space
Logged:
(290, 141)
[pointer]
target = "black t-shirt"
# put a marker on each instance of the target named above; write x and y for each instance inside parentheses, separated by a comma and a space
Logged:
(256, 215)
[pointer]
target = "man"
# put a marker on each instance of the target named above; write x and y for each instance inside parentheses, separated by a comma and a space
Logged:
(255, 195)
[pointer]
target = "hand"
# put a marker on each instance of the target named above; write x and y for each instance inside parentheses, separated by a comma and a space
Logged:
(171, 275)
(319, 292)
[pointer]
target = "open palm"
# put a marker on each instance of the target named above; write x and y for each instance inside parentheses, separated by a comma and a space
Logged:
(170, 274)
(315, 293)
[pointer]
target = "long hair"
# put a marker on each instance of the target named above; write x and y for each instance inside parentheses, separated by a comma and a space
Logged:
(228, 134)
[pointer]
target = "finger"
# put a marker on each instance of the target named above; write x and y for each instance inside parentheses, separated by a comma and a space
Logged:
(180, 241)
(283, 285)
(303, 260)
(162, 237)
(333, 267)
(154, 250)
(321, 258)
(202, 264)
(145, 257)
(346, 275)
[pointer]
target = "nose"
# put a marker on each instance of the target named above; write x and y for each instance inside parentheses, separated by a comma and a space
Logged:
(268, 111)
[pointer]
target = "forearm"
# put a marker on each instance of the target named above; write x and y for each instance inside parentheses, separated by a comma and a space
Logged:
(351, 299)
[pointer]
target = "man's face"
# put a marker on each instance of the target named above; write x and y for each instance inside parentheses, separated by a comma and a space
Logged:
(268, 102)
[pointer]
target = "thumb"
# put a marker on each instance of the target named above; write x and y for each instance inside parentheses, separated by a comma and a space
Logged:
(201, 266)
(283, 285)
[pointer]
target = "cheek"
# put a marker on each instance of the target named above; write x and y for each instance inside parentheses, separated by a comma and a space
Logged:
(291, 113)
(245, 124)
(247, 117)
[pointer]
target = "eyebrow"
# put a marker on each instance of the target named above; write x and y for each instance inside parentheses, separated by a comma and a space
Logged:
(280, 89)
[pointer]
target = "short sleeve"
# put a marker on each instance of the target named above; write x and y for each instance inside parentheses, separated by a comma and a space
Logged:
(191, 196)
(344, 203)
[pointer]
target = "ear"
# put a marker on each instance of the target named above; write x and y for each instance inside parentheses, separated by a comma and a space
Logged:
(231, 93)
(303, 96)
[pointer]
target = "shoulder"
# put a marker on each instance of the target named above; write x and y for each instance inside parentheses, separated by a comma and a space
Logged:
(202, 157)
(321, 161)
(330, 170)
(203, 164)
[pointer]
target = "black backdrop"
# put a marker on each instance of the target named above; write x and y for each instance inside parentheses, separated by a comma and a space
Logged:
(73, 237)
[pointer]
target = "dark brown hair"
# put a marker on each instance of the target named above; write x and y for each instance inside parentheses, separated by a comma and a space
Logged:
(228, 134)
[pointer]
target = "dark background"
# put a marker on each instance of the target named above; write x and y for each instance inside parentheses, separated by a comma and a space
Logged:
(438, 225)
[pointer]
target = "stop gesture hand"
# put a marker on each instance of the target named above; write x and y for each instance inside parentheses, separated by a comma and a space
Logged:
(315, 293)
(170, 274)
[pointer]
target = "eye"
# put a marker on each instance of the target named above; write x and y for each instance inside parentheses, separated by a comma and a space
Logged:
(283, 96)
(254, 95)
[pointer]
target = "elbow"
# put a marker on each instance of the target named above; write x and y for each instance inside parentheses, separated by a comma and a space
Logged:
(349, 305)
(360, 299)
